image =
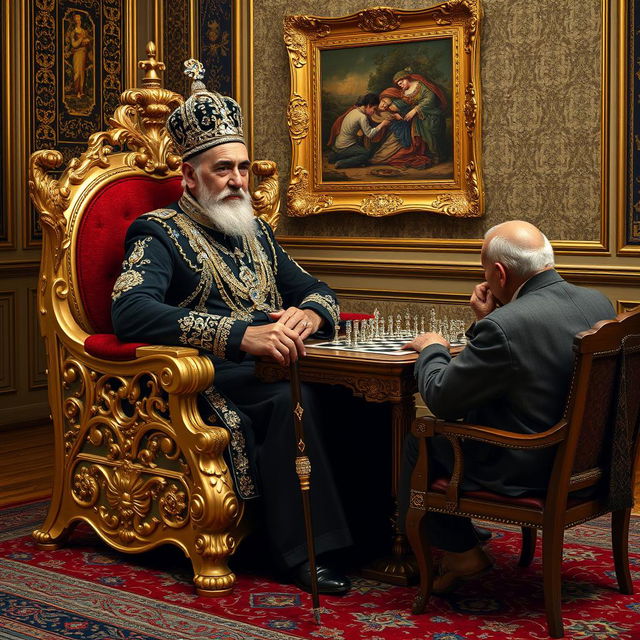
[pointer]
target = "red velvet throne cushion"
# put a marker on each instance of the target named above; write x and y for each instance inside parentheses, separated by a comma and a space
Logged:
(100, 251)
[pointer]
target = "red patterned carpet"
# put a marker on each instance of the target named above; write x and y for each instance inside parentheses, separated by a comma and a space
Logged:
(88, 592)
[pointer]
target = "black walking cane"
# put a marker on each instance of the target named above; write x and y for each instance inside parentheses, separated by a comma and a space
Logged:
(303, 469)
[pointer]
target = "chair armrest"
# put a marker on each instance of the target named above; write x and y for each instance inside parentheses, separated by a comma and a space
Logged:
(426, 427)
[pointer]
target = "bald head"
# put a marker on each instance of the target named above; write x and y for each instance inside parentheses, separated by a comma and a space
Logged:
(521, 248)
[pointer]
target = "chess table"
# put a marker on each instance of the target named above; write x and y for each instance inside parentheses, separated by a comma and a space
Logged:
(376, 377)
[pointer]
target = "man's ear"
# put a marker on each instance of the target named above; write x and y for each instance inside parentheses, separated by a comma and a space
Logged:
(501, 272)
(189, 175)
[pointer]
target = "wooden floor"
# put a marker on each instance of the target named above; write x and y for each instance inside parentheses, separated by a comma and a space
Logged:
(26, 464)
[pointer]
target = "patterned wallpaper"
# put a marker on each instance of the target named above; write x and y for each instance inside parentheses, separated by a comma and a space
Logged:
(540, 68)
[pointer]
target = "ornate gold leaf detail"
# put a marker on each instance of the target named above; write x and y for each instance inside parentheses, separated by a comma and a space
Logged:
(470, 108)
(381, 204)
(266, 196)
(298, 118)
(299, 201)
(461, 205)
(298, 411)
(378, 20)
(468, 8)
(299, 29)
(51, 198)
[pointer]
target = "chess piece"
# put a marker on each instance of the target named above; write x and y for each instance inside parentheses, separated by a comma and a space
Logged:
(391, 333)
(422, 330)
(433, 325)
(382, 331)
(415, 326)
(407, 323)
(356, 332)
(348, 333)
(399, 326)
(336, 333)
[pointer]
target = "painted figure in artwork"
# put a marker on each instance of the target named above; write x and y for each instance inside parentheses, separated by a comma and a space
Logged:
(422, 104)
(79, 41)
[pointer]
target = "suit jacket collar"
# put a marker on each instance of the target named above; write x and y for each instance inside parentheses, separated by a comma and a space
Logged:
(540, 280)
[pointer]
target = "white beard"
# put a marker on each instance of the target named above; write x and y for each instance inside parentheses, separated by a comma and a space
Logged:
(233, 218)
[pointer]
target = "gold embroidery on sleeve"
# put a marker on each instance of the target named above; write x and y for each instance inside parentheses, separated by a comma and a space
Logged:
(205, 331)
(327, 302)
(130, 276)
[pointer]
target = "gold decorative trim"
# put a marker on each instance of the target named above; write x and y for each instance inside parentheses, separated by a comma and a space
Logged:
(8, 120)
(470, 108)
(298, 118)
(378, 20)
(380, 204)
(266, 196)
(299, 199)
(458, 270)
(394, 295)
(242, 15)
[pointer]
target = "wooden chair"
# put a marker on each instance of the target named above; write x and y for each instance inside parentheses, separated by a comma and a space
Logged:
(133, 457)
(596, 447)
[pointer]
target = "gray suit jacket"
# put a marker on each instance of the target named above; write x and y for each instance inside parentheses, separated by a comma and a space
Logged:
(514, 375)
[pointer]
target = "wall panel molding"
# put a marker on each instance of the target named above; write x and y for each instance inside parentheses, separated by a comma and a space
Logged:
(17, 268)
(629, 276)
(7, 341)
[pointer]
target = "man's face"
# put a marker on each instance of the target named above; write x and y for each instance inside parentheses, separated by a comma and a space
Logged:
(223, 167)
(384, 104)
(370, 109)
(403, 83)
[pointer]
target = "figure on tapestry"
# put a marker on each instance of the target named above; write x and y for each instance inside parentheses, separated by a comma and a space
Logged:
(79, 91)
(408, 136)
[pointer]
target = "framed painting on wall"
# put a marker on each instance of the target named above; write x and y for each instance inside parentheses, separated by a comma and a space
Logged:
(384, 113)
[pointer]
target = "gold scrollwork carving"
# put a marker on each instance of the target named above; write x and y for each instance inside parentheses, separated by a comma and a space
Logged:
(461, 205)
(298, 118)
(378, 20)
(297, 29)
(266, 196)
(471, 8)
(470, 108)
(300, 202)
(173, 507)
(378, 205)
(85, 488)
(51, 198)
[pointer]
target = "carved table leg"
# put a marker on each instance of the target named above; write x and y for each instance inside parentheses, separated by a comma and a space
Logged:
(398, 568)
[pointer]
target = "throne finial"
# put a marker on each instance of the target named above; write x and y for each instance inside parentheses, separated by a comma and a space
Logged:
(151, 67)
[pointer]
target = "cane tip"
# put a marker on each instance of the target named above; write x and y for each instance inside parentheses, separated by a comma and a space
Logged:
(316, 616)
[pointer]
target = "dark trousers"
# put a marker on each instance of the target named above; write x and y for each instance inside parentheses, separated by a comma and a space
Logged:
(354, 156)
(266, 411)
(447, 532)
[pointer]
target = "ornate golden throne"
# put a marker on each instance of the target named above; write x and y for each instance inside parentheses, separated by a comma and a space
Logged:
(133, 457)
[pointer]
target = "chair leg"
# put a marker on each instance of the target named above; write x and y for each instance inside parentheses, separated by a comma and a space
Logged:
(620, 545)
(212, 576)
(528, 550)
(552, 540)
(416, 534)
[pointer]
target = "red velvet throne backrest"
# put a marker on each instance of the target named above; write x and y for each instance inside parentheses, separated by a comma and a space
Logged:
(101, 234)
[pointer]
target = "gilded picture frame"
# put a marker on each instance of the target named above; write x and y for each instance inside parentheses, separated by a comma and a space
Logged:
(418, 148)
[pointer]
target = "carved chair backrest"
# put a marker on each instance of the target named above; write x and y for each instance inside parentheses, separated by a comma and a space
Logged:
(604, 400)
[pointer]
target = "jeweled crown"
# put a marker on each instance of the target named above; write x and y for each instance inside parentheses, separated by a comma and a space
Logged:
(206, 119)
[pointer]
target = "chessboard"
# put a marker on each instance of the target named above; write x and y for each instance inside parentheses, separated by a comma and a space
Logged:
(391, 346)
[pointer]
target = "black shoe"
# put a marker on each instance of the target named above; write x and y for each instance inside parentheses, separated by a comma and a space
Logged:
(484, 535)
(329, 580)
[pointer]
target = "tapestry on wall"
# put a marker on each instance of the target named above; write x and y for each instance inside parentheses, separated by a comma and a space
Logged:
(633, 119)
(214, 43)
(77, 75)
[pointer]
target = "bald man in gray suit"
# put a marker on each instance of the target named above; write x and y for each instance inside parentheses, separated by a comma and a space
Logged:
(512, 375)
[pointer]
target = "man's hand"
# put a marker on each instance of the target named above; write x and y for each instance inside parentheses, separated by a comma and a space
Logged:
(424, 340)
(482, 301)
(275, 340)
(303, 321)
